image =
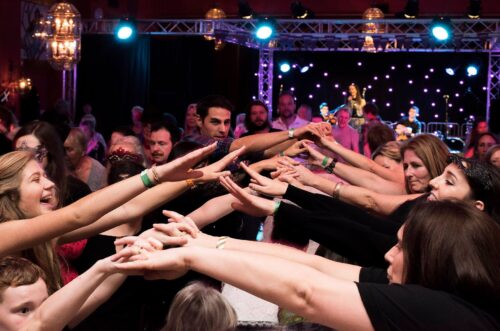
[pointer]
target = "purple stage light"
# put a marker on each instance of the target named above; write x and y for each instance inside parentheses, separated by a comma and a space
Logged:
(292, 88)
(393, 68)
(374, 100)
(318, 85)
(325, 74)
(360, 64)
(387, 76)
(336, 85)
(310, 96)
(389, 89)
(438, 90)
(426, 76)
(375, 78)
(426, 90)
(433, 104)
(408, 66)
(410, 82)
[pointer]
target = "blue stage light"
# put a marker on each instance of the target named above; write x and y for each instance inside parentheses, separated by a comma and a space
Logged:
(472, 70)
(285, 67)
(450, 71)
(441, 29)
(264, 29)
(125, 30)
(304, 69)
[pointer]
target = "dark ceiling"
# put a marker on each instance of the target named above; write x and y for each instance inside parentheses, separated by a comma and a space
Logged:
(278, 8)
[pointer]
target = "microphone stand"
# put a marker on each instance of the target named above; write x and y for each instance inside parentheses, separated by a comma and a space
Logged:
(447, 131)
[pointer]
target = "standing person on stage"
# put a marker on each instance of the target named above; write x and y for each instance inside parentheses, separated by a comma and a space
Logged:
(410, 126)
(288, 118)
(356, 102)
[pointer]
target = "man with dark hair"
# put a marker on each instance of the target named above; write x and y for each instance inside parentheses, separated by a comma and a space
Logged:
(257, 119)
(372, 118)
(214, 120)
(409, 126)
(287, 113)
(163, 136)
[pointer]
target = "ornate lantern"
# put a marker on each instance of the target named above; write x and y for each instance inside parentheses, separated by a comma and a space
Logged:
(370, 28)
(63, 36)
(214, 14)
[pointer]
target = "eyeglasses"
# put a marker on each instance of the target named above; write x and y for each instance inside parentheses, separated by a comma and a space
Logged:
(39, 152)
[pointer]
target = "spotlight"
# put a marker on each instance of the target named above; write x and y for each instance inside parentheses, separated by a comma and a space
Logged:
(441, 29)
(285, 67)
(472, 70)
(264, 30)
(244, 10)
(450, 71)
(125, 30)
(474, 10)
(299, 11)
(304, 69)
(411, 9)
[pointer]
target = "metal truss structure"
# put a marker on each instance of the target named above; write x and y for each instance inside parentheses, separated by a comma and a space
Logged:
(388, 35)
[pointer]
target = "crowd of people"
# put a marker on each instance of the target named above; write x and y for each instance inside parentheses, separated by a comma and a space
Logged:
(335, 218)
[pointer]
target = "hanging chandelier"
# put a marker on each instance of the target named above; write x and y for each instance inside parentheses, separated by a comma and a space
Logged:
(63, 36)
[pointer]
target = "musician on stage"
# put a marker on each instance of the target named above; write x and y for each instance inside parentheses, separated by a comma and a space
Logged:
(409, 126)
(356, 102)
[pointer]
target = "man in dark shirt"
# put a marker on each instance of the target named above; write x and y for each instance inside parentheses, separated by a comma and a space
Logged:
(257, 119)
(410, 126)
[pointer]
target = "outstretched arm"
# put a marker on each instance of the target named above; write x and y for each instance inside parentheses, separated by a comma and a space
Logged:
(149, 200)
(296, 287)
(360, 161)
(20, 234)
(358, 176)
(61, 307)
(264, 141)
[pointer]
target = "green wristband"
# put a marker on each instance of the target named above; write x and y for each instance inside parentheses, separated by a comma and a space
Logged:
(277, 204)
(325, 161)
(145, 179)
(282, 154)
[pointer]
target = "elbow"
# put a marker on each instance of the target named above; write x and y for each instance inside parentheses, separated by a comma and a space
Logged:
(303, 300)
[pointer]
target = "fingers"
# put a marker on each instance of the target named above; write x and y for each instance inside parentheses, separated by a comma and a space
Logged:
(172, 214)
(254, 174)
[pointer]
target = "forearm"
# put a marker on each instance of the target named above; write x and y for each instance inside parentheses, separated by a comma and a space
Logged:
(130, 211)
(290, 285)
(259, 142)
(276, 149)
(335, 269)
(366, 179)
(213, 210)
(351, 157)
(60, 308)
(381, 204)
(100, 295)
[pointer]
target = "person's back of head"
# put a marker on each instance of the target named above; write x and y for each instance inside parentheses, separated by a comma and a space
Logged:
(378, 135)
(200, 307)
(453, 246)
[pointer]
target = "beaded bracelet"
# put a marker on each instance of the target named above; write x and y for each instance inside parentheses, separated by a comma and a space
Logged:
(156, 177)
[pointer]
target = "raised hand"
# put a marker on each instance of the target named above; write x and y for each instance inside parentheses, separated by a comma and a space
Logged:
(181, 168)
(315, 157)
(164, 264)
(263, 184)
(314, 131)
(297, 148)
(215, 170)
(248, 203)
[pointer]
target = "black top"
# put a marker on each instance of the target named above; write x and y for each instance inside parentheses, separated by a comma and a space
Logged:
(414, 307)
(416, 126)
(123, 310)
(345, 229)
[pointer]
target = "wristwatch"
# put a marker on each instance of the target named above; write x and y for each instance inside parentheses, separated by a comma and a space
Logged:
(291, 132)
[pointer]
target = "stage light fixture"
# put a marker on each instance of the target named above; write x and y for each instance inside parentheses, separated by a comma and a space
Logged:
(285, 67)
(125, 30)
(474, 9)
(244, 10)
(299, 11)
(472, 70)
(411, 9)
(265, 29)
(441, 29)
(450, 71)
(304, 69)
